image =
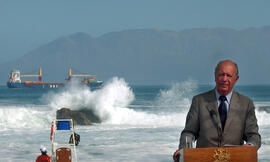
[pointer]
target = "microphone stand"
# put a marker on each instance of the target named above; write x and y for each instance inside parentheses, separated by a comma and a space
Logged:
(214, 119)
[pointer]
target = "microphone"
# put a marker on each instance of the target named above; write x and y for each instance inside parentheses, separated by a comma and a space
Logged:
(214, 117)
(215, 121)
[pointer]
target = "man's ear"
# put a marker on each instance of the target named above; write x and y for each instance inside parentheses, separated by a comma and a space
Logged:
(237, 77)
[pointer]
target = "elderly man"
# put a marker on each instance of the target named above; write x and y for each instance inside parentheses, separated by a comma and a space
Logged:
(221, 116)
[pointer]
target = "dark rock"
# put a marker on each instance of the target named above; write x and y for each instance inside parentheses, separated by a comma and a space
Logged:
(79, 117)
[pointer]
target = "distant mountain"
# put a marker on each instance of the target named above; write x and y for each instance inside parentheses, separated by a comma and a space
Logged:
(149, 56)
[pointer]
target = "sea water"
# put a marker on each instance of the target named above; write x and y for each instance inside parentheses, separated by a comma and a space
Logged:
(139, 123)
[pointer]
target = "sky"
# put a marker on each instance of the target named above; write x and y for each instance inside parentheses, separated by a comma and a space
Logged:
(28, 24)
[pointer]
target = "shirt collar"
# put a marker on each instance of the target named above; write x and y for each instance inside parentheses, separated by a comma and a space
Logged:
(228, 96)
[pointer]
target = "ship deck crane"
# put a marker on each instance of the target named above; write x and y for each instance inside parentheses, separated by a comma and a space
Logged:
(77, 75)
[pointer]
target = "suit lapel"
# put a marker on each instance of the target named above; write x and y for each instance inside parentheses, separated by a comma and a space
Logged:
(234, 106)
(213, 106)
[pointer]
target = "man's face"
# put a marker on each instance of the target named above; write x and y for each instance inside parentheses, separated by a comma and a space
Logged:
(225, 77)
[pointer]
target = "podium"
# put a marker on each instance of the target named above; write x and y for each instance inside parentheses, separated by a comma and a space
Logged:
(220, 154)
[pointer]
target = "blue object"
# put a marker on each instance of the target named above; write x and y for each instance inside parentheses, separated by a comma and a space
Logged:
(63, 125)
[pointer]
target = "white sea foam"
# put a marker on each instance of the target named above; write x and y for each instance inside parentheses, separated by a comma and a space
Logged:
(24, 117)
(262, 110)
(115, 95)
(178, 97)
(111, 103)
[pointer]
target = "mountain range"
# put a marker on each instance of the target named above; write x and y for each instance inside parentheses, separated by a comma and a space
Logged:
(151, 56)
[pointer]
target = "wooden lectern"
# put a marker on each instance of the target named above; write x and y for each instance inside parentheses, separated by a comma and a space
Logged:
(220, 154)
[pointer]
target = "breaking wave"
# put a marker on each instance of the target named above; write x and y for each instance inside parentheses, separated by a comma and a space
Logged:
(177, 97)
(24, 117)
(112, 104)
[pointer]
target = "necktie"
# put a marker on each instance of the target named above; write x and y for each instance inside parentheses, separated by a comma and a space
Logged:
(222, 111)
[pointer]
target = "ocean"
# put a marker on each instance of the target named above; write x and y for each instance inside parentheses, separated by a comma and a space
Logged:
(139, 123)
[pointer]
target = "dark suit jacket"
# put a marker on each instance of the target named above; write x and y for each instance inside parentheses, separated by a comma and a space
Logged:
(241, 124)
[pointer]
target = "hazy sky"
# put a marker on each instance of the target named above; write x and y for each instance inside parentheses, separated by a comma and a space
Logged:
(27, 24)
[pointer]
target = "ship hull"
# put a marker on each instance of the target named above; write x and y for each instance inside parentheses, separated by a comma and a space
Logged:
(48, 85)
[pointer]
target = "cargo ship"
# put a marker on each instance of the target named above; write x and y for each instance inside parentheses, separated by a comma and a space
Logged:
(16, 82)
